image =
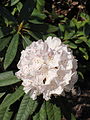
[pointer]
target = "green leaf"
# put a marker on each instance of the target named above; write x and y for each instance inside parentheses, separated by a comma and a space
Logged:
(27, 107)
(62, 27)
(53, 112)
(41, 115)
(73, 117)
(27, 41)
(13, 2)
(40, 5)
(71, 45)
(78, 41)
(4, 31)
(87, 29)
(35, 20)
(35, 35)
(69, 34)
(84, 51)
(6, 14)
(5, 114)
(11, 51)
(1, 94)
(26, 10)
(88, 42)
(38, 14)
(4, 42)
(7, 78)
(46, 28)
(12, 98)
(52, 28)
(19, 6)
(80, 73)
(37, 17)
(85, 16)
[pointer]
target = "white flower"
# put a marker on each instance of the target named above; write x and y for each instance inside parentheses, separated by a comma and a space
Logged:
(47, 68)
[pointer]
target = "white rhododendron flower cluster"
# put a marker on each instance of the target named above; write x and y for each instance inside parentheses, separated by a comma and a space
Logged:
(47, 67)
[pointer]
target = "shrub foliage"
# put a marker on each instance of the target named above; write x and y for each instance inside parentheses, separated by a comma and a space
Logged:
(21, 23)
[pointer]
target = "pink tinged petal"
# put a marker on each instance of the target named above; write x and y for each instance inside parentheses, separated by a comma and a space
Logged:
(47, 68)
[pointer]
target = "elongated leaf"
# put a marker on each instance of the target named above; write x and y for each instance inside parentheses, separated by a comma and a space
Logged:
(69, 34)
(46, 28)
(2, 113)
(88, 42)
(13, 2)
(19, 6)
(1, 94)
(78, 41)
(5, 13)
(4, 42)
(51, 28)
(84, 51)
(12, 98)
(27, 42)
(38, 14)
(26, 10)
(7, 78)
(71, 45)
(73, 117)
(5, 114)
(40, 5)
(11, 51)
(42, 112)
(27, 107)
(35, 35)
(41, 115)
(53, 112)
(4, 31)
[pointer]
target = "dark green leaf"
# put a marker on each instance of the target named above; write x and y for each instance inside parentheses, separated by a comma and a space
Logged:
(85, 16)
(35, 20)
(35, 35)
(38, 14)
(4, 42)
(4, 31)
(40, 5)
(11, 51)
(46, 28)
(12, 98)
(52, 28)
(26, 10)
(27, 107)
(5, 13)
(53, 112)
(26, 42)
(71, 45)
(88, 42)
(78, 41)
(7, 78)
(62, 27)
(69, 34)
(73, 117)
(87, 29)
(84, 51)
(41, 115)
(5, 114)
